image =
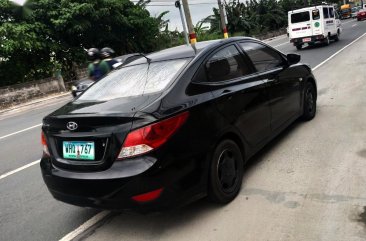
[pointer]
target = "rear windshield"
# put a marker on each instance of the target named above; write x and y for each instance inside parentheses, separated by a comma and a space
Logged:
(300, 17)
(135, 80)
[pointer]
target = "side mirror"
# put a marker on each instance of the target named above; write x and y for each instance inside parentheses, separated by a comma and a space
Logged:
(293, 59)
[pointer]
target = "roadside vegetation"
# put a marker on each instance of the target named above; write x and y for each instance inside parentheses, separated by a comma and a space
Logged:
(46, 36)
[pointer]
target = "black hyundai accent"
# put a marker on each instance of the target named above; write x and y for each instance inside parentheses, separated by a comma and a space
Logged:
(174, 126)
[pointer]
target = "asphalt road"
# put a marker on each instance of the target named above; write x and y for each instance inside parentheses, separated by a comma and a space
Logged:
(282, 188)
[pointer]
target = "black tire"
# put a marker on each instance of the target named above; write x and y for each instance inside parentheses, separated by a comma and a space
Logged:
(327, 41)
(309, 102)
(336, 37)
(299, 47)
(226, 172)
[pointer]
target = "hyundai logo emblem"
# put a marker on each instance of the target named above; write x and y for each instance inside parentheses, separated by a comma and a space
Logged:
(72, 126)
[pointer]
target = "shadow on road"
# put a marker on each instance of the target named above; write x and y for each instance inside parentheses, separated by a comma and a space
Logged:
(258, 157)
(317, 46)
(125, 224)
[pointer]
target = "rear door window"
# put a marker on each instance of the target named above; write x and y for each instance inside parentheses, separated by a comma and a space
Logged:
(226, 64)
(331, 12)
(300, 17)
(263, 57)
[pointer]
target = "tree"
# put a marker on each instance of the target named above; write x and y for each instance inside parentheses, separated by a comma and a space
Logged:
(200, 29)
(46, 34)
(252, 16)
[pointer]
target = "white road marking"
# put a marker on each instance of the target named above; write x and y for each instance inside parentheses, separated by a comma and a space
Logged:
(19, 169)
(17, 132)
(354, 25)
(85, 226)
(336, 53)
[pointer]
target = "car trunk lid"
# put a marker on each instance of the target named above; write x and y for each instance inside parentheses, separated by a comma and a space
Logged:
(99, 126)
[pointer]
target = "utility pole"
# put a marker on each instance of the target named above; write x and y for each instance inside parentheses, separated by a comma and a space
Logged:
(177, 4)
(222, 17)
(187, 13)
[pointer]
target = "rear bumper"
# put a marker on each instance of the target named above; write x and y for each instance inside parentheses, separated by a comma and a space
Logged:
(314, 39)
(114, 188)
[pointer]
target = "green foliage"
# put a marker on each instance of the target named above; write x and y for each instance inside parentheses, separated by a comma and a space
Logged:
(44, 35)
(251, 17)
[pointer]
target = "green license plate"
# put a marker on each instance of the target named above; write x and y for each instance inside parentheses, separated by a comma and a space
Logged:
(80, 150)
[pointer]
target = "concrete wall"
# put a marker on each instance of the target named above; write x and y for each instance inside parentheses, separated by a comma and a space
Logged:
(81, 73)
(16, 94)
(271, 34)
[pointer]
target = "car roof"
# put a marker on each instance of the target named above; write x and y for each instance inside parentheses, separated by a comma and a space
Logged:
(308, 8)
(186, 51)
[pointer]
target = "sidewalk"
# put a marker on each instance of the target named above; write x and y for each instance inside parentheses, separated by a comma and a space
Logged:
(35, 101)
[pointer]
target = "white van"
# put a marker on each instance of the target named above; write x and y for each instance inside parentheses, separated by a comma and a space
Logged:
(313, 24)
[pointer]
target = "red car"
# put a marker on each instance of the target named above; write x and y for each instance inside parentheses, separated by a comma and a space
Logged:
(361, 15)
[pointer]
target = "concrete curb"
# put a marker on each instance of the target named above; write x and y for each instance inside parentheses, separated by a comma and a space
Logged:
(274, 38)
(35, 101)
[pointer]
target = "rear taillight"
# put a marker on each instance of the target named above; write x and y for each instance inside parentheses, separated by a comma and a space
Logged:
(150, 137)
(44, 144)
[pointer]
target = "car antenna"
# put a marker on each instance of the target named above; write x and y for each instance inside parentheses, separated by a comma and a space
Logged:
(147, 58)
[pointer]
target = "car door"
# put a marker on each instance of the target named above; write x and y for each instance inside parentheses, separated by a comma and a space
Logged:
(335, 23)
(329, 21)
(240, 96)
(283, 82)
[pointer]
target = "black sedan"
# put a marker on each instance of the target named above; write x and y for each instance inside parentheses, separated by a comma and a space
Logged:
(174, 126)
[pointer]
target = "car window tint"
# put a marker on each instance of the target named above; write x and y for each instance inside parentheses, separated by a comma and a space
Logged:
(331, 12)
(316, 14)
(325, 13)
(300, 17)
(226, 64)
(135, 80)
(200, 75)
(263, 58)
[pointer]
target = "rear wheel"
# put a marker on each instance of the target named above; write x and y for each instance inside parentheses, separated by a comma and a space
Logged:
(299, 46)
(327, 40)
(309, 102)
(226, 172)
(336, 37)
